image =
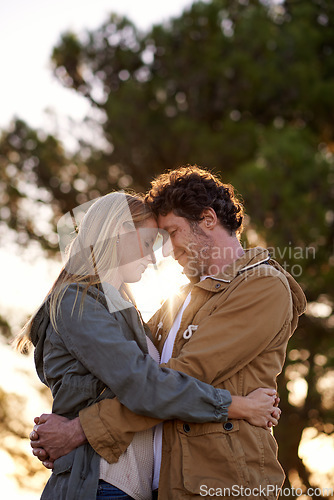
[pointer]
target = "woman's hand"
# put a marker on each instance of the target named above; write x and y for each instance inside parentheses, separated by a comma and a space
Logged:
(259, 408)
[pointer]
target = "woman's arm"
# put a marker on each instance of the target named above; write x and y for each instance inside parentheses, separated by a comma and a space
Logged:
(109, 426)
(96, 338)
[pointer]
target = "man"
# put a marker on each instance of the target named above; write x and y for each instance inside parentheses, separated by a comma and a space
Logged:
(229, 327)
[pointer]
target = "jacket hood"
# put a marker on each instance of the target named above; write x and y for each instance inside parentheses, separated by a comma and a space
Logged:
(252, 258)
(39, 327)
(109, 297)
(37, 335)
(298, 296)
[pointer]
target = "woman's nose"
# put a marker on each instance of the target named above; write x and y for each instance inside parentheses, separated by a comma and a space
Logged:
(167, 247)
(153, 258)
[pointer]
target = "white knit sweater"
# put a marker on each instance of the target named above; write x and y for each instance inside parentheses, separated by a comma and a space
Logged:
(134, 470)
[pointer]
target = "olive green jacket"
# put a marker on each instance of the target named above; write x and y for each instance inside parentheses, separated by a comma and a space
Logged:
(99, 352)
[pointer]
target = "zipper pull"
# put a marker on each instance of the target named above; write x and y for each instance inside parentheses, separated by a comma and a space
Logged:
(189, 331)
(160, 325)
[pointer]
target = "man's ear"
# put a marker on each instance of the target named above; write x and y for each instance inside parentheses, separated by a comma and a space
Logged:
(209, 218)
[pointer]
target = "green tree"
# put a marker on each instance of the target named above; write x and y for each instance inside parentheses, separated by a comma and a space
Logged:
(241, 86)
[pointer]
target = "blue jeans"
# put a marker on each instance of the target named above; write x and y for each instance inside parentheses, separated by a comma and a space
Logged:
(106, 491)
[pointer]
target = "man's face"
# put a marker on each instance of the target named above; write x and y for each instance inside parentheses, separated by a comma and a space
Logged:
(192, 246)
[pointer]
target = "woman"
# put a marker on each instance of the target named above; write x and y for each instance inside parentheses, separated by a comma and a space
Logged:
(90, 343)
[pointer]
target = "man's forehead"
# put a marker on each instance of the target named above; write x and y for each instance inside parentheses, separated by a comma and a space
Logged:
(169, 220)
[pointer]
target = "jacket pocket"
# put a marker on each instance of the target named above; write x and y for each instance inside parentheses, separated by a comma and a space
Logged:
(212, 457)
(57, 485)
(64, 464)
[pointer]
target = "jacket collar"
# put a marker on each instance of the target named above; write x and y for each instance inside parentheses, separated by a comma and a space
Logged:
(252, 257)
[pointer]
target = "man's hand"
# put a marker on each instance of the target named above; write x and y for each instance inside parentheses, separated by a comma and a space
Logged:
(264, 408)
(259, 407)
(54, 436)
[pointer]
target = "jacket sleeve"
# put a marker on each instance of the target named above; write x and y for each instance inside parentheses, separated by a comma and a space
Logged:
(109, 427)
(253, 315)
(97, 340)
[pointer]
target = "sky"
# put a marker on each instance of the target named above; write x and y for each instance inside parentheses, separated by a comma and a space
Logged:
(29, 29)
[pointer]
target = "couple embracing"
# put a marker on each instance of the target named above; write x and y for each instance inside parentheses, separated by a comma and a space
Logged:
(182, 407)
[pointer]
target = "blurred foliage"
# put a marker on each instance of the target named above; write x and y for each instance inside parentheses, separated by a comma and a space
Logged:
(5, 329)
(14, 431)
(244, 87)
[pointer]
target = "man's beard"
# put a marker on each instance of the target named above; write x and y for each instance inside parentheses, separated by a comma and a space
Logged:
(200, 249)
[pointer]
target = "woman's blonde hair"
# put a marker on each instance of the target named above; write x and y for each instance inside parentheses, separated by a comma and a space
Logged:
(92, 256)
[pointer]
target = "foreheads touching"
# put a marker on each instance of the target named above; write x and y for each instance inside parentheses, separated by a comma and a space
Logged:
(189, 191)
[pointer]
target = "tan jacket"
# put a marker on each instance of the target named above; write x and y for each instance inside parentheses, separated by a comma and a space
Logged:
(233, 335)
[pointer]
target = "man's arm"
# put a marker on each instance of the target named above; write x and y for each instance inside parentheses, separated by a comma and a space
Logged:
(135, 378)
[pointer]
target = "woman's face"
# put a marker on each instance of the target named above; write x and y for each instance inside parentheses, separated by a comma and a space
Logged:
(135, 249)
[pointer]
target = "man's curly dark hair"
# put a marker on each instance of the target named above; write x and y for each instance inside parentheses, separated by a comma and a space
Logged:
(188, 190)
